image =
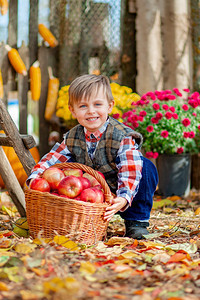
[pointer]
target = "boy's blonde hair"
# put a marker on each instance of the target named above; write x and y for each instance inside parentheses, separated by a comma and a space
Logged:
(85, 86)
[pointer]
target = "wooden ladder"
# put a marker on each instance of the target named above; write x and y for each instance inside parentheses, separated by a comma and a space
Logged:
(21, 144)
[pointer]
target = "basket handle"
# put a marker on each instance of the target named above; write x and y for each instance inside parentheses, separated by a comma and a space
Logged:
(73, 165)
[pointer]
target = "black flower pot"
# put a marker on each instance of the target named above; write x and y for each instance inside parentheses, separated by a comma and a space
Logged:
(174, 172)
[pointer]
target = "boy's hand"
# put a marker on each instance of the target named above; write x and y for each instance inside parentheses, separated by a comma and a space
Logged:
(116, 204)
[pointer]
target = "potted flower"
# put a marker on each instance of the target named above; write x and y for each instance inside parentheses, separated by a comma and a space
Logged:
(170, 123)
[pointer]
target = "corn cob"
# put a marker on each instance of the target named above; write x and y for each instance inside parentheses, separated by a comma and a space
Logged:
(53, 87)
(1, 86)
(4, 6)
(16, 60)
(35, 80)
(47, 35)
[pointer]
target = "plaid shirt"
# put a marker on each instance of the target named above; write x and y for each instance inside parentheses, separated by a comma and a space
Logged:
(128, 162)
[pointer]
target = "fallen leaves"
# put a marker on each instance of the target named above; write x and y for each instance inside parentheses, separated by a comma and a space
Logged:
(164, 266)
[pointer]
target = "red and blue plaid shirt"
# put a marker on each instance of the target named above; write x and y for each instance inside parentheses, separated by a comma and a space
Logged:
(128, 161)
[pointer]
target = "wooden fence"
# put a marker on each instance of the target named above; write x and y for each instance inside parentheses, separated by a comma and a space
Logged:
(63, 58)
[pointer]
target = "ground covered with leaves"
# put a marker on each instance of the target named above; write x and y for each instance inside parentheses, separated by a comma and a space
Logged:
(165, 265)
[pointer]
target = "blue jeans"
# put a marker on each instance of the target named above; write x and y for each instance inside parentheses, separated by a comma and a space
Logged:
(142, 203)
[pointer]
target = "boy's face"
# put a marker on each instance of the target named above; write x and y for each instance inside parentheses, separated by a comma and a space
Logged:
(92, 113)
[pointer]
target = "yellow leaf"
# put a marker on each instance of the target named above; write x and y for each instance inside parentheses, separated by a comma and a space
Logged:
(161, 203)
(3, 286)
(87, 268)
(65, 242)
(53, 285)
(24, 248)
(174, 198)
(56, 284)
(122, 241)
(22, 223)
(197, 211)
(42, 241)
(39, 272)
(128, 254)
(10, 211)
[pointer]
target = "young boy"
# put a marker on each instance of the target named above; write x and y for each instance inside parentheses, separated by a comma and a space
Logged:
(109, 146)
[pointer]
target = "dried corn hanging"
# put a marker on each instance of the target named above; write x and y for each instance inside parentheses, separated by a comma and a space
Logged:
(35, 80)
(4, 6)
(16, 60)
(47, 35)
(1, 86)
(53, 88)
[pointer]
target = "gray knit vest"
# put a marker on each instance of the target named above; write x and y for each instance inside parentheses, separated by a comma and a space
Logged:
(106, 152)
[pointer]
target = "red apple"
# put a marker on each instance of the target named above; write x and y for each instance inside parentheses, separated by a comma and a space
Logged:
(99, 195)
(53, 175)
(40, 184)
(92, 195)
(85, 182)
(70, 186)
(74, 172)
(91, 178)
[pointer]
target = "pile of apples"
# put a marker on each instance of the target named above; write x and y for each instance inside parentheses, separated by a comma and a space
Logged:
(69, 183)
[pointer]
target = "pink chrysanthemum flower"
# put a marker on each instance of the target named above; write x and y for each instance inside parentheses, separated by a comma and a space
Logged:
(159, 115)
(164, 133)
(143, 113)
(155, 155)
(185, 107)
(180, 150)
(172, 108)
(149, 154)
(154, 120)
(150, 128)
(186, 134)
(116, 116)
(175, 116)
(165, 107)
(156, 106)
(191, 134)
(168, 115)
(186, 122)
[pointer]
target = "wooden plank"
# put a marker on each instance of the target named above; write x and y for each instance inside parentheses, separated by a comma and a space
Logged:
(4, 65)
(28, 141)
(23, 91)
(47, 57)
(33, 31)
(128, 60)
(69, 42)
(54, 17)
(12, 40)
(12, 185)
(12, 132)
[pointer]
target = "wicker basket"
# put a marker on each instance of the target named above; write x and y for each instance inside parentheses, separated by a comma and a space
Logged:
(50, 215)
